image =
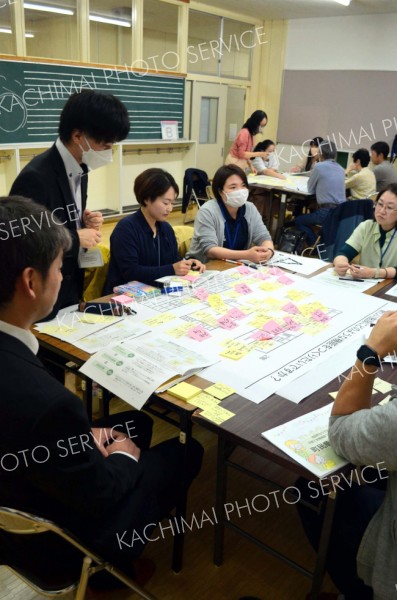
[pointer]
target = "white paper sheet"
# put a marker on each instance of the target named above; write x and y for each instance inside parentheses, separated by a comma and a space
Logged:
(330, 277)
(303, 265)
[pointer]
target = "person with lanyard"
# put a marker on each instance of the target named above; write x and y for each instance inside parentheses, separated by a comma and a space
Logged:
(90, 123)
(143, 246)
(229, 227)
(375, 241)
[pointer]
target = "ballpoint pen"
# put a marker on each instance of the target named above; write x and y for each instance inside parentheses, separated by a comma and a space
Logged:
(346, 279)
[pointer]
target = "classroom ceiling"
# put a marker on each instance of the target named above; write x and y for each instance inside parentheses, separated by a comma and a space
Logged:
(299, 9)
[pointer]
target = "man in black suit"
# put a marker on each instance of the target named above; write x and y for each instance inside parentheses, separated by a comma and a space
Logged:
(99, 483)
(90, 123)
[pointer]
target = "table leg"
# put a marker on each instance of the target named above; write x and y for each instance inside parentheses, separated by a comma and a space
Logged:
(185, 436)
(281, 216)
(224, 450)
(319, 570)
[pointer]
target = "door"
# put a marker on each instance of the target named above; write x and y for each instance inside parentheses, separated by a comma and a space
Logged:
(234, 115)
(208, 119)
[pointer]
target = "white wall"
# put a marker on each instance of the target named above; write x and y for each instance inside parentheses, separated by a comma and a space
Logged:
(365, 42)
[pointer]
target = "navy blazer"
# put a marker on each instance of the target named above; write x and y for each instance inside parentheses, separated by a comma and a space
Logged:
(45, 181)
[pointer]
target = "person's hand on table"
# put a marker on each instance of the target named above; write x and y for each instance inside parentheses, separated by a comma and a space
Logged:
(295, 169)
(197, 265)
(89, 237)
(183, 266)
(92, 219)
(259, 254)
(383, 337)
(341, 266)
(359, 272)
(122, 443)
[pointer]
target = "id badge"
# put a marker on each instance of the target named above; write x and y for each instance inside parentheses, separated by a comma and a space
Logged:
(90, 258)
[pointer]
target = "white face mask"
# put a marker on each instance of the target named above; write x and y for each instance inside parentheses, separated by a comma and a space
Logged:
(237, 198)
(95, 158)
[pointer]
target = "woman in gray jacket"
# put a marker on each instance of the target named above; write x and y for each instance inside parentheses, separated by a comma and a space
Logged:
(229, 227)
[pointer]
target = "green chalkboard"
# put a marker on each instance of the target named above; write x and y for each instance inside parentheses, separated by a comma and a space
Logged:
(32, 96)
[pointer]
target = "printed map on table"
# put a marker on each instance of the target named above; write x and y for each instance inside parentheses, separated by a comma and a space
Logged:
(266, 327)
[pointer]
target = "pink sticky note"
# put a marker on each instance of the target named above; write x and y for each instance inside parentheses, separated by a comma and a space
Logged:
(273, 328)
(320, 316)
(275, 271)
(190, 277)
(235, 313)
(244, 270)
(198, 333)
(201, 293)
(285, 280)
(226, 322)
(291, 308)
(291, 324)
(261, 335)
(243, 288)
(261, 275)
(123, 299)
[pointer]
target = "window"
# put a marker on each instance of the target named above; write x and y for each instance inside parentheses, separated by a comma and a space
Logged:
(7, 36)
(208, 120)
(111, 30)
(51, 29)
(160, 36)
(219, 46)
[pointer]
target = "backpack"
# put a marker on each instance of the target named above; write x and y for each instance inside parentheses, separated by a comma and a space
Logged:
(291, 240)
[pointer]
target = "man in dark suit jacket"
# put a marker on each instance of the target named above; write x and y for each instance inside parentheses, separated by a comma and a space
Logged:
(107, 489)
(90, 123)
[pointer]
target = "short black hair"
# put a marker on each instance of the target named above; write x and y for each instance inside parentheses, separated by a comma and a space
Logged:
(222, 174)
(363, 156)
(30, 236)
(153, 183)
(381, 148)
(252, 124)
(101, 116)
(263, 146)
(328, 150)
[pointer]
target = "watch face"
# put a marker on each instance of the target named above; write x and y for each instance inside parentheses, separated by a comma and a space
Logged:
(368, 356)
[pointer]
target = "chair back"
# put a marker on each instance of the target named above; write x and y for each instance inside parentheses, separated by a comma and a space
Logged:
(184, 235)
(340, 224)
(194, 181)
(72, 562)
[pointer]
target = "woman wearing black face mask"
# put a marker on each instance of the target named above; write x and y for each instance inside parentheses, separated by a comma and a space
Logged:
(229, 227)
(241, 151)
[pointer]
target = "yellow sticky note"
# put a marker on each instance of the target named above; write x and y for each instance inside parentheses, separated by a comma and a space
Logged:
(215, 301)
(92, 318)
(235, 350)
(314, 328)
(160, 319)
(204, 317)
(297, 295)
(217, 414)
(385, 400)
(184, 391)
(382, 386)
(204, 401)
(57, 330)
(220, 390)
(268, 286)
(274, 302)
(178, 332)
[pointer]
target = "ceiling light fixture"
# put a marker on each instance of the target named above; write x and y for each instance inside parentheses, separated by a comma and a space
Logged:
(344, 2)
(6, 30)
(109, 21)
(46, 8)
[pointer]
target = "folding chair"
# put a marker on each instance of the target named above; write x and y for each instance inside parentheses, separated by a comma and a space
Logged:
(74, 564)
(196, 189)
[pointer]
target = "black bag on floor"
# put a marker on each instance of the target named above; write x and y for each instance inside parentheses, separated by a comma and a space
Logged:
(291, 240)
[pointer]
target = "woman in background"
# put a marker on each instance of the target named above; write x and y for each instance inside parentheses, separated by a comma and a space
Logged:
(229, 227)
(309, 162)
(143, 246)
(375, 241)
(241, 151)
(270, 165)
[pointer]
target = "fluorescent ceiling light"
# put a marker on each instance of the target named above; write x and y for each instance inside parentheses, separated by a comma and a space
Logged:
(344, 2)
(109, 21)
(46, 8)
(6, 30)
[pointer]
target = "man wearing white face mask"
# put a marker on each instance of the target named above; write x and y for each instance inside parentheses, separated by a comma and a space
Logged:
(90, 123)
(229, 227)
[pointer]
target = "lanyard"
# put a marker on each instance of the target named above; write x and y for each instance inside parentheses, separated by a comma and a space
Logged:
(382, 254)
(156, 242)
(231, 243)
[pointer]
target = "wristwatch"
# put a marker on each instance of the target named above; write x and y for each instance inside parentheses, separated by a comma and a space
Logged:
(368, 356)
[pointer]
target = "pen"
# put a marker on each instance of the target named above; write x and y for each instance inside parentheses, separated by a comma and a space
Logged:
(346, 279)
(234, 262)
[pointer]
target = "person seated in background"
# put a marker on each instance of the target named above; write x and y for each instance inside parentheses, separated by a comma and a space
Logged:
(360, 180)
(229, 227)
(375, 241)
(143, 246)
(309, 162)
(271, 164)
(362, 550)
(241, 151)
(385, 172)
(327, 182)
(93, 480)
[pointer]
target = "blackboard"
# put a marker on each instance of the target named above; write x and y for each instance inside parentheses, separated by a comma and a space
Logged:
(354, 108)
(32, 96)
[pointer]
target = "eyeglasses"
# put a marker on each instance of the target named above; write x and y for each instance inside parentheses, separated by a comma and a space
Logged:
(380, 206)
